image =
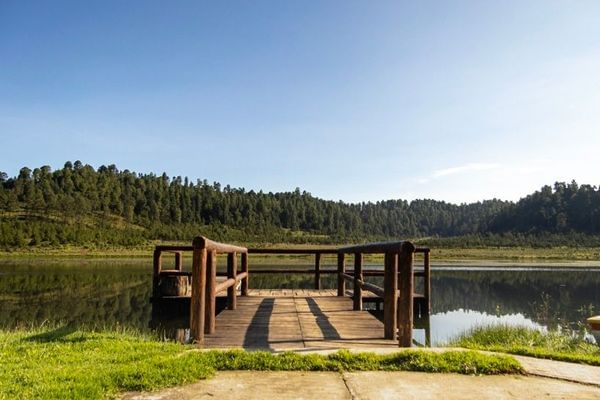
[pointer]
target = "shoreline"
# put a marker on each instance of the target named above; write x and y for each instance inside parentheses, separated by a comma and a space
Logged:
(556, 257)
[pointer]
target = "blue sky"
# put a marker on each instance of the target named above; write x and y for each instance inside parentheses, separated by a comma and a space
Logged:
(353, 100)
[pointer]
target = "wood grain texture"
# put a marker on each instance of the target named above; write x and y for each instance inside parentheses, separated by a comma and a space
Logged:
(296, 319)
(197, 303)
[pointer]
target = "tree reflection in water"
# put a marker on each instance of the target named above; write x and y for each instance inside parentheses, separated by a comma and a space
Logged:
(108, 293)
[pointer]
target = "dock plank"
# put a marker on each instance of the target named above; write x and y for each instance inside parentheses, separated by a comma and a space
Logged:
(295, 319)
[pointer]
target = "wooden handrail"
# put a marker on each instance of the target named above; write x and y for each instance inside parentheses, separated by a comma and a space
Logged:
(171, 248)
(376, 290)
(292, 271)
(373, 248)
(317, 266)
(348, 277)
(398, 271)
(254, 250)
(230, 282)
(293, 251)
(201, 242)
(204, 283)
(224, 285)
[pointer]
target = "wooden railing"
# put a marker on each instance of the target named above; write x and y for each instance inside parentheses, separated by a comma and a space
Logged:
(203, 277)
(204, 283)
(397, 291)
(317, 271)
(398, 285)
(159, 272)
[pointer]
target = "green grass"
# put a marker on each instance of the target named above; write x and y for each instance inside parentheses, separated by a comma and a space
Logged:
(530, 342)
(66, 363)
(520, 254)
(523, 254)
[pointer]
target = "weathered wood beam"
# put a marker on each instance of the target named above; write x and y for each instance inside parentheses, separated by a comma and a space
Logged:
(197, 306)
(178, 261)
(201, 241)
(357, 298)
(156, 268)
(341, 270)
(245, 282)
(210, 312)
(405, 302)
(331, 250)
(318, 271)
(231, 274)
(427, 281)
(390, 295)
(370, 248)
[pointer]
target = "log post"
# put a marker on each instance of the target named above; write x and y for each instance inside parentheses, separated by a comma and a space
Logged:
(231, 273)
(156, 267)
(405, 306)
(390, 301)
(427, 281)
(178, 262)
(358, 276)
(210, 295)
(245, 269)
(341, 269)
(197, 305)
(318, 271)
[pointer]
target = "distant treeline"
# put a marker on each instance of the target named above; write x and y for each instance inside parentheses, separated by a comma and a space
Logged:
(80, 205)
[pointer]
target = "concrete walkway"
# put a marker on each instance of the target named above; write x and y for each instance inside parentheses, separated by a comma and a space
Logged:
(572, 372)
(256, 385)
(545, 379)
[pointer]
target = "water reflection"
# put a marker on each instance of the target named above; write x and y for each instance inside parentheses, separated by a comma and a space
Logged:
(108, 293)
(91, 293)
(448, 325)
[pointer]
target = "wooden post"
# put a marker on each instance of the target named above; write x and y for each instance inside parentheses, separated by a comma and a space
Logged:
(245, 269)
(197, 305)
(178, 263)
(211, 297)
(231, 273)
(357, 300)
(156, 267)
(390, 301)
(427, 281)
(405, 306)
(318, 271)
(341, 282)
(427, 331)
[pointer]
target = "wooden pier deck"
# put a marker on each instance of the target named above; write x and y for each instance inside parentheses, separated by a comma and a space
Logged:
(294, 319)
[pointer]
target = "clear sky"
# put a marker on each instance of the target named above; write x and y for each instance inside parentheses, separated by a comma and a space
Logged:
(353, 100)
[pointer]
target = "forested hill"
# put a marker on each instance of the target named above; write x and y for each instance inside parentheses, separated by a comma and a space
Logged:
(78, 204)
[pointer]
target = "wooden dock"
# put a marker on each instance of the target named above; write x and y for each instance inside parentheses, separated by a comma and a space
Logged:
(293, 319)
(280, 319)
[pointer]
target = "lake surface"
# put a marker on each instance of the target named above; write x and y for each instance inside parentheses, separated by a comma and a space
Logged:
(117, 292)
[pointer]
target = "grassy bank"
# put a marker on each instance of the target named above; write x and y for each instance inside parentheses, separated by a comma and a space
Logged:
(521, 254)
(65, 363)
(531, 342)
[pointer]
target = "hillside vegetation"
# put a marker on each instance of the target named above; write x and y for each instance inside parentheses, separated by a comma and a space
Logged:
(79, 205)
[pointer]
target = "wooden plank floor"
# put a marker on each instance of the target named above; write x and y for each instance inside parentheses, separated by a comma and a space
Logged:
(296, 319)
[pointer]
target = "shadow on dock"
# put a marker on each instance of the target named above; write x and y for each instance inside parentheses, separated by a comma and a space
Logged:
(257, 334)
(326, 327)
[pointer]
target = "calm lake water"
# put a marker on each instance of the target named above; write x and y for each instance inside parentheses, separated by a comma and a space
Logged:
(117, 292)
